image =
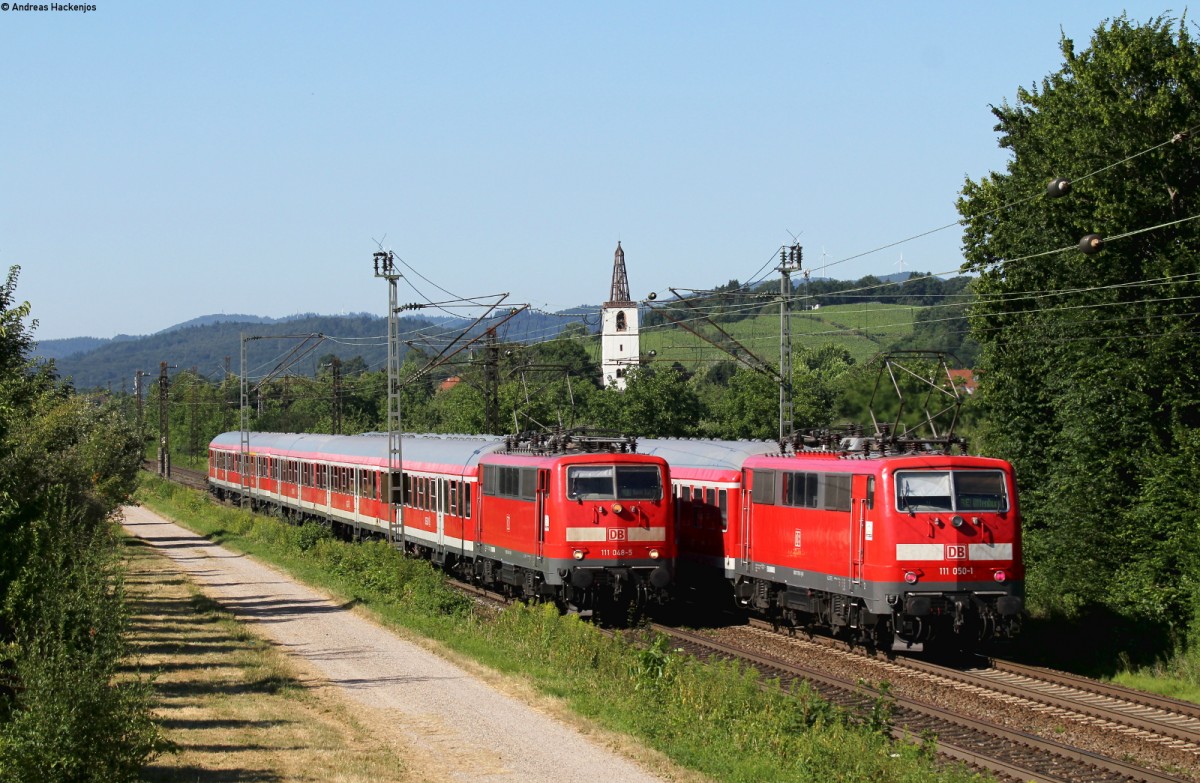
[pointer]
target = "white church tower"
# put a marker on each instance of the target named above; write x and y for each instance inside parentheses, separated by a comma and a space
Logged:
(619, 327)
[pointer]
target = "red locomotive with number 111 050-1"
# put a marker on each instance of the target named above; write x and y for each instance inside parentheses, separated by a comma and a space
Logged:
(889, 547)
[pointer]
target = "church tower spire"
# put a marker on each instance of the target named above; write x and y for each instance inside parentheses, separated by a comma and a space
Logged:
(619, 327)
(620, 282)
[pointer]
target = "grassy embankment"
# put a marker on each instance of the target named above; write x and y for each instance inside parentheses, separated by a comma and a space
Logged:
(715, 719)
(862, 329)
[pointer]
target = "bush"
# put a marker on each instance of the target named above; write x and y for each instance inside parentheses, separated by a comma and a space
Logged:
(70, 719)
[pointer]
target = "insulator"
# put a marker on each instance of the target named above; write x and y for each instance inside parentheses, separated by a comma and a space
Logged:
(652, 296)
(1091, 244)
(1058, 187)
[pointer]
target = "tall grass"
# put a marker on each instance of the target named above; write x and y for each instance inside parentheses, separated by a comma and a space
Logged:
(712, 717)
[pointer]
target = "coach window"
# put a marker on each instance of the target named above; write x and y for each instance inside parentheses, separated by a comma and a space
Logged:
(870, 492)
(466, 500)
(723, 505)
(453, 498)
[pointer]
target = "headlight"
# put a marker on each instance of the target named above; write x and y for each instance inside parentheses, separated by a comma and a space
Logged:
(653, 554)
(1000, 576)
(617, 508)
(910, 577)
(577, 554)
(957, 521)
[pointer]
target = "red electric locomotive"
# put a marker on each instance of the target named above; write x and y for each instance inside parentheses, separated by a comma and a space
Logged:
(585, 522)
(889, 548)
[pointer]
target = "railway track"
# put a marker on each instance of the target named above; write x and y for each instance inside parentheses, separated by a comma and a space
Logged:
(1145, 716)
(1008, 753)
(195, 479)
(1148, 717)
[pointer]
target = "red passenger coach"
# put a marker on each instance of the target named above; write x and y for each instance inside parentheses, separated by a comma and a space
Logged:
(887, 548)
(586, 522)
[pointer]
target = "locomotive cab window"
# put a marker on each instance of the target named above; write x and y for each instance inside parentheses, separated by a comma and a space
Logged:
(614, 482)
(980, 490)
(960, 490)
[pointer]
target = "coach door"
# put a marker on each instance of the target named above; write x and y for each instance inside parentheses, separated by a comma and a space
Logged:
(541, 508)
(861, 492)
(443, 501)
(744, 531)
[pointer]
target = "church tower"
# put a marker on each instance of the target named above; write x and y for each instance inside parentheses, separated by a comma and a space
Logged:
(619, 327)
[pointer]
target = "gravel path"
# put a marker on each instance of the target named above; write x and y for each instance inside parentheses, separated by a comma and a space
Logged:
(461, 727)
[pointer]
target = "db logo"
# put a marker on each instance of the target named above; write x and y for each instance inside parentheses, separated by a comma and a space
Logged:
(956, 552)
(616, 534)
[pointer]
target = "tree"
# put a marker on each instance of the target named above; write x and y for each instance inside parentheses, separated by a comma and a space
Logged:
(1086, 370)
(749, 408)
(656, 402)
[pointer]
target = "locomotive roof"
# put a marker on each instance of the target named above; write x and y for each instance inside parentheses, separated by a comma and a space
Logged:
(370, 448)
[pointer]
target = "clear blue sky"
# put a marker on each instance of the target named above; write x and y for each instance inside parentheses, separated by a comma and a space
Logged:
(164, 160)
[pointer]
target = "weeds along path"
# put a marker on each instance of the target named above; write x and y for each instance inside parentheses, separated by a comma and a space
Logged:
(463, 728)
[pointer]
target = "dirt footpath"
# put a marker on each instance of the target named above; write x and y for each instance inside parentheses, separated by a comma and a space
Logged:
(453, 725)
